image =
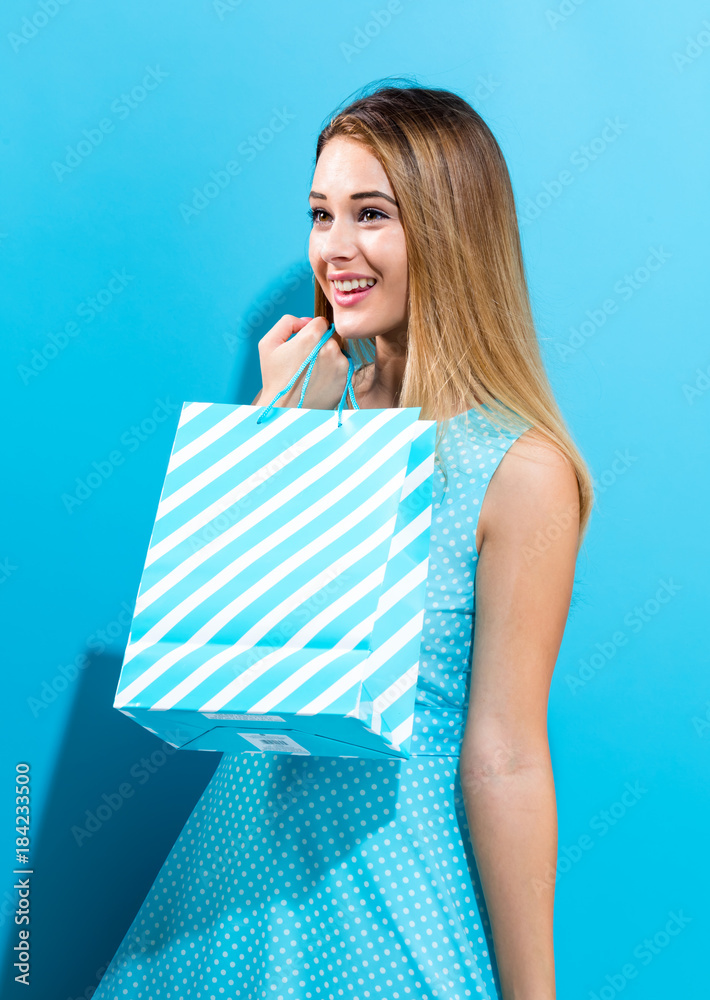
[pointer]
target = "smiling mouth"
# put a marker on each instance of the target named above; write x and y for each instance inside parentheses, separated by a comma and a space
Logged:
(353, 285)
(359, 290)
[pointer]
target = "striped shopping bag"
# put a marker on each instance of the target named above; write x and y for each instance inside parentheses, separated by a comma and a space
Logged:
(282, 600)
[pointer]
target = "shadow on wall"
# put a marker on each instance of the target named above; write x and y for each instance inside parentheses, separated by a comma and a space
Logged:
(120, 796)
(119, 799)
(292, 292)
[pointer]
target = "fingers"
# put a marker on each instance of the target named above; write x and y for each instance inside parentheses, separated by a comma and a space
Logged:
(287, 326)
(281, 331)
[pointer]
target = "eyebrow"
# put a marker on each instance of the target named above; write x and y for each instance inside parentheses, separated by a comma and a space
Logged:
(360, 194)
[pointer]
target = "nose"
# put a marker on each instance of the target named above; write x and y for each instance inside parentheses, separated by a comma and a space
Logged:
(338, 243)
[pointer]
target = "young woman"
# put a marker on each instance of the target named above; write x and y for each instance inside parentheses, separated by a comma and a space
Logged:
(308, 877)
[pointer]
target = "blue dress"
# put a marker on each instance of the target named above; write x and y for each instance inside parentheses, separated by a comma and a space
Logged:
(303, 877)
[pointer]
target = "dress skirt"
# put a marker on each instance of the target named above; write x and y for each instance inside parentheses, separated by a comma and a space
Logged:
(314, 877)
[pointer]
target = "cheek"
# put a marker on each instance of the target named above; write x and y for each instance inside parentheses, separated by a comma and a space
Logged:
(312, 251)
(314, 254)
(318, 265)
(399, 254)
(398, 268)
(391, 255)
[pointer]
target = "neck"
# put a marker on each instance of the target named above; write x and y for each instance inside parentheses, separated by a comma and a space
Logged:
(380, 382)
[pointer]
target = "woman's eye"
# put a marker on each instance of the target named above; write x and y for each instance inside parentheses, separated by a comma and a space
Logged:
(373, 211)
(314, 213)
(366, 214)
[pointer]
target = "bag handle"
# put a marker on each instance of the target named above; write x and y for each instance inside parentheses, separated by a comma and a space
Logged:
(310, 361)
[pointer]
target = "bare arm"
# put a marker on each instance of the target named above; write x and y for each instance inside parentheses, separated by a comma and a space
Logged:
(523, 591)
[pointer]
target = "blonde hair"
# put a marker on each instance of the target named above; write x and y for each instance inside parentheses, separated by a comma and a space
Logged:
(471, 338)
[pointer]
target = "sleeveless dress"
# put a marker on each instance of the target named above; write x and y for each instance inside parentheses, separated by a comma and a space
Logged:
(304, 877)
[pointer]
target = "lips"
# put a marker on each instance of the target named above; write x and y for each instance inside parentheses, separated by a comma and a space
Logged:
(351, 298)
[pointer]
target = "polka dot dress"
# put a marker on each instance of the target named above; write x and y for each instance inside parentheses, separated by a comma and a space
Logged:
(302, 877)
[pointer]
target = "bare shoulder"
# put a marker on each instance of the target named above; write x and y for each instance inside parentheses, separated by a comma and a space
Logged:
(534, 462)
(534, 486)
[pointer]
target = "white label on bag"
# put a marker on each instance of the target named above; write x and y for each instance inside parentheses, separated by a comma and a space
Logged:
(243, 718)
(266, 741)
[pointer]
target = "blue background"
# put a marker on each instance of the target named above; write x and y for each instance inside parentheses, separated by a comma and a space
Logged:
(607, 93)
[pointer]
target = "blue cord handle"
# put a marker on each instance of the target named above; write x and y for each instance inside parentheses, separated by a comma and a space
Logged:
(310, 362)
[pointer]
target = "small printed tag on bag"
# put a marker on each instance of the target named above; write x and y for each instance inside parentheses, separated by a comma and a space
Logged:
(267, 741)
(243, 718)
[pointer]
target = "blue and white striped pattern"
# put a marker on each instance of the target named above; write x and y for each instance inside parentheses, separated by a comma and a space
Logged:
(287, 567)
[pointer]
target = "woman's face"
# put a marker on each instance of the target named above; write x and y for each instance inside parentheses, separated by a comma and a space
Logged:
(357, 235)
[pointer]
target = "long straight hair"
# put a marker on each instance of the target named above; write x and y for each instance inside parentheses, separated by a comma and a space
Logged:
(471, 341)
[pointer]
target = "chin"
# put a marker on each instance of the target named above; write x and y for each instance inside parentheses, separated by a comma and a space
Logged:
(351, 326)
(349, 333)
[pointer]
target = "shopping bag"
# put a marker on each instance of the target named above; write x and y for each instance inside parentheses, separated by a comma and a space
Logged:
(282, 600)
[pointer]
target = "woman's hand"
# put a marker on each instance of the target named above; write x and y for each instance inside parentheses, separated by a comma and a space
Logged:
(281, 357)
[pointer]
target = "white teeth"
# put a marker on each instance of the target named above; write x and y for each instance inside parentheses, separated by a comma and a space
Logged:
(348, 286)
